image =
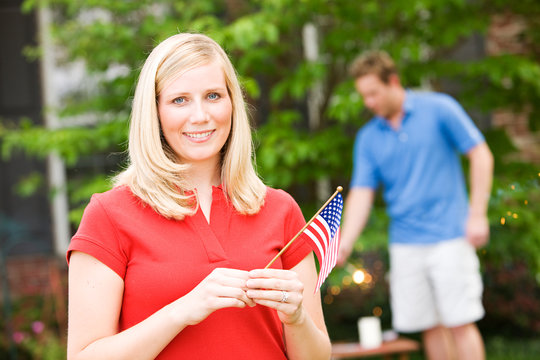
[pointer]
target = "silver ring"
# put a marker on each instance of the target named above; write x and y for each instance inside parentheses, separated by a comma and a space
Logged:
(284, 296)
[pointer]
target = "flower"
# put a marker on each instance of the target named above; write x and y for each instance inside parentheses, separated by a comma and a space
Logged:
(18, 337)
(38, 327)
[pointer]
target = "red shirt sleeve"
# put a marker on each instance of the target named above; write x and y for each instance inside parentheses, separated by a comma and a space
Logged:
(97, 236)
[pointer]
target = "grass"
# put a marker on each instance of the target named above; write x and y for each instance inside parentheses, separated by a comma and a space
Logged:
(499, 348)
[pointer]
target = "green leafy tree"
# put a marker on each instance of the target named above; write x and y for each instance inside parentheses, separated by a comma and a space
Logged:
(264, 40)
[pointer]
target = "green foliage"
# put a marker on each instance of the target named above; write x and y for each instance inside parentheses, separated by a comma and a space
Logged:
(282, 148)
(71, 143)
(511, 261)
(513, 209)
(264, 40)
(29, 184)
(514, 213)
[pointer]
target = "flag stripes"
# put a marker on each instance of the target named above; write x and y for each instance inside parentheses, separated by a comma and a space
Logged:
(323, 236)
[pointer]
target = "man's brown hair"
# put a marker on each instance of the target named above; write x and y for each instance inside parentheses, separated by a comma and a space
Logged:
(374, 62)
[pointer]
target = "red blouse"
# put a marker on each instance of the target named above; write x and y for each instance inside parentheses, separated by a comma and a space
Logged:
(161, 260)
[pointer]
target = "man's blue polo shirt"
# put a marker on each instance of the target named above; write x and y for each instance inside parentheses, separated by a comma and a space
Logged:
(419, 167)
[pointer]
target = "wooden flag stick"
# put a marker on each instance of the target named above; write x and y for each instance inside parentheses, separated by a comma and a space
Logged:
(338, 190)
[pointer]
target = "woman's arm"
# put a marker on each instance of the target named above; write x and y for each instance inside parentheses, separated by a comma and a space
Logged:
(306, 336)
(95, 301)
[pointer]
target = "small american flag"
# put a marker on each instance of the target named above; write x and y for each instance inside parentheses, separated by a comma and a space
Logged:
(323, 236)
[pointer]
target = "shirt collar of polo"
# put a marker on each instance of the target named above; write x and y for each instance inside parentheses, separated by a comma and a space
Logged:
(408, 103)
(408, 108)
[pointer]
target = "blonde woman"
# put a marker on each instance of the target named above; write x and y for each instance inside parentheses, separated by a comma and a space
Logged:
(169, 263)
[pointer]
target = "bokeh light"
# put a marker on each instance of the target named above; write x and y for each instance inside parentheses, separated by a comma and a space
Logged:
(359, 276)
(368, 278)
(335, 290)
(328, 299)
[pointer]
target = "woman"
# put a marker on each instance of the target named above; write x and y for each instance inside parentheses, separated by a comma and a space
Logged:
(169, 263)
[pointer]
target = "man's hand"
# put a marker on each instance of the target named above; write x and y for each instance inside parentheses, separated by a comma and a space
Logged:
(477, 230)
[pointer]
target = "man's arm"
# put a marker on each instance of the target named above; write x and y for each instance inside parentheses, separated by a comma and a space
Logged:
(357, 209)
(481, 176)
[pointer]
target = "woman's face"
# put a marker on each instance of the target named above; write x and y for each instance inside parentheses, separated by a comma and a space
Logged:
(195, 112)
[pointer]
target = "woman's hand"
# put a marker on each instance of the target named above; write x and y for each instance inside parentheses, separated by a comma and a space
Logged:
(222, 288)
(278, 289)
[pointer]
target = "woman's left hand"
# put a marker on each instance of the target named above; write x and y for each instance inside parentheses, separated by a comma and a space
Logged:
(278, 289)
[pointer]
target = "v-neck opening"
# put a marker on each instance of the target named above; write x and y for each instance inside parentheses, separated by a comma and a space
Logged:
(211, 230)
(214, 199)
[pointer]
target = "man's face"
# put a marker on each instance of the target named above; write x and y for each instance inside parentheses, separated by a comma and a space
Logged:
(378, 96)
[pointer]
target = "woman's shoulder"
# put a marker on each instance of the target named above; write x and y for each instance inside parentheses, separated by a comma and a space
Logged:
(114, 194)
(278, 197)
(277, 194)
(119, 197)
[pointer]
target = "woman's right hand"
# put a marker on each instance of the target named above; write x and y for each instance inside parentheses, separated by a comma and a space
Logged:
(222, 288)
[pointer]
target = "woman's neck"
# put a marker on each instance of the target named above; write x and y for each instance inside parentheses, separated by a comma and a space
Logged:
(204, 177)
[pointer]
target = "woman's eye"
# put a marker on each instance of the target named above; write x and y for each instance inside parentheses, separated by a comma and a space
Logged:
(213, 96)
(179, 100)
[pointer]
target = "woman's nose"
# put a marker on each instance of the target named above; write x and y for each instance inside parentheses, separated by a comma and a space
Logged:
(199, 112)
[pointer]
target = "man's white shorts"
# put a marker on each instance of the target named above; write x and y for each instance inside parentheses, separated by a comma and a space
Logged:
(435, 284)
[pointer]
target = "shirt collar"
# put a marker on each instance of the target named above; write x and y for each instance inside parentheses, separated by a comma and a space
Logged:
(407, 109)
(408, 102)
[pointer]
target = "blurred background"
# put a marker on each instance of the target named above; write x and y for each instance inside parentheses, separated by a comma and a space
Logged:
(67, 75)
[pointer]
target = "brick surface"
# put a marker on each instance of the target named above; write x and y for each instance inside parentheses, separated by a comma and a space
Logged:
(35, 275)
(506, 36)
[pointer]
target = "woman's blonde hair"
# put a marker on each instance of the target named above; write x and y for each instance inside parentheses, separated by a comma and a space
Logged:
(154, 174)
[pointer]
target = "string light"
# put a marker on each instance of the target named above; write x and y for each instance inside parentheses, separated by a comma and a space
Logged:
(503, 220)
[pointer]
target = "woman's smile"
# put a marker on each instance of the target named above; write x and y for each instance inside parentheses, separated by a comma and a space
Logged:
(200, 136)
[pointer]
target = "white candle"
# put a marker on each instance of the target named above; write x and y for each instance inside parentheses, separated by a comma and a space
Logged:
(369, 329)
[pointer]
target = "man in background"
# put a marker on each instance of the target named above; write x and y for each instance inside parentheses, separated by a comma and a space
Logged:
(411, 148)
